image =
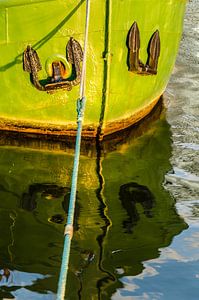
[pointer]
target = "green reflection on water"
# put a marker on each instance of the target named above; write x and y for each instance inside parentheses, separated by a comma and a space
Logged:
(123, 215)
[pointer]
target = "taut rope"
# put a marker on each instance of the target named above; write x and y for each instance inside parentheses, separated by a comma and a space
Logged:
(69, 225)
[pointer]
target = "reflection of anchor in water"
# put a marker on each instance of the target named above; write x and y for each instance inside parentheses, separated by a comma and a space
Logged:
(51, 192)
(63, 74)
(133, 43)
(130, 194)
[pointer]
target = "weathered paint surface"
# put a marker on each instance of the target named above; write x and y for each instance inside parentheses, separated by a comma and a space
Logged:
(112, 91)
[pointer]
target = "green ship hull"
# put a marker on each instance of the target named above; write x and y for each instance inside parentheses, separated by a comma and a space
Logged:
(117, 96)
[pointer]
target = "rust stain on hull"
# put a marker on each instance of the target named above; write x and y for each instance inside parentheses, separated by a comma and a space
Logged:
(121, 124)
(66, 143)
(62, 131)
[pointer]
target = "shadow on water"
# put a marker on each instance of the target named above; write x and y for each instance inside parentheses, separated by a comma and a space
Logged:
(123, 216)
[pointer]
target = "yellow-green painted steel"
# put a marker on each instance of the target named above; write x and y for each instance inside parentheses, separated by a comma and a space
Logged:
(113, 93)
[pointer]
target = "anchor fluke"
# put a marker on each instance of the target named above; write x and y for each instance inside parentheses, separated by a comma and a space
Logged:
(32, 65)
(134, 47)
(74, 51)
(31, 61)
(154, 51)
(74, 54)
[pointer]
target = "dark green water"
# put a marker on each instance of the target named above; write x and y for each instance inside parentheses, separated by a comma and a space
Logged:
(137, 229)
(124, 217)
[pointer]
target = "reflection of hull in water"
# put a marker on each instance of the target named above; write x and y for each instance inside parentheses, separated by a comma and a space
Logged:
(116, 230)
